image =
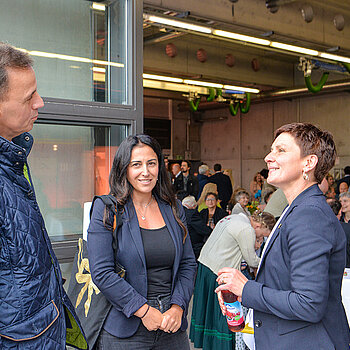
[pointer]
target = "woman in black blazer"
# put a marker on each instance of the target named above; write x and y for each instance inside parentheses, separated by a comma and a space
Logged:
(296, 296)
(213, 214)
(150, 303)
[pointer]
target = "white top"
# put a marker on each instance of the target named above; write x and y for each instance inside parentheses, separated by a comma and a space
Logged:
(231, 241)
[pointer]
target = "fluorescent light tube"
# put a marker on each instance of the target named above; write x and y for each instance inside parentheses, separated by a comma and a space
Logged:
(161, 77)
(98, 7)
(293, 48)
(203, 83)
(334, 57)
(241, 88)
(240, 37)
(178, 24)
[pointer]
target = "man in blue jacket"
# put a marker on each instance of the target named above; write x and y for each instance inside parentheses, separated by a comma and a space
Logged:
(35, 312)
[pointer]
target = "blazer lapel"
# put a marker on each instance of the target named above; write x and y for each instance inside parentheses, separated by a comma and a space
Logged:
(173, 227)
(134, 229)
(273, 238)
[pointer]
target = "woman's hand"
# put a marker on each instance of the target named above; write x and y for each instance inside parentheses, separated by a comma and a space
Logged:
(172, 319)
(232, 280)
(152, 319)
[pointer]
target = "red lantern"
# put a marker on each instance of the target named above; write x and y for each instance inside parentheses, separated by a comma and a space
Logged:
(230, 60)
(255, 64)
(201, 55)
(171, 50)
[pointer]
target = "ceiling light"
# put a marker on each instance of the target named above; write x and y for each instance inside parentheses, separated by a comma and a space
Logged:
(169, 86)
(240, 37)
(203, 83)
(177, 24)
(241, 88)
(332, 57)
(293, 48)
(160, 77)
(98, 7)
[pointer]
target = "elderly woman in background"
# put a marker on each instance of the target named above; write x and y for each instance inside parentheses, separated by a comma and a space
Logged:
(232, 240)
(344, 199)
(213, 214)
(242, 200)
(209, 187)
(296, 296)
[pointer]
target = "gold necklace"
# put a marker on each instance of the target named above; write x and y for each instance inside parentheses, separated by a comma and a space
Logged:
(139, 211)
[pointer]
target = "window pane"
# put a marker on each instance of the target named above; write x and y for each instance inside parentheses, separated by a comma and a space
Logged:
(70, 164)
(69, 42)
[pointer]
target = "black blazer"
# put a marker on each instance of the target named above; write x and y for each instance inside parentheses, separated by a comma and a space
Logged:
(218, 215)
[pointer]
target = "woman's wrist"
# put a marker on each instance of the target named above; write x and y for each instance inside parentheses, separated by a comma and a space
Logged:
(142, 311)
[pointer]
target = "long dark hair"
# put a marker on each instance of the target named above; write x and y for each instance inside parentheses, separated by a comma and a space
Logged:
(120, 187)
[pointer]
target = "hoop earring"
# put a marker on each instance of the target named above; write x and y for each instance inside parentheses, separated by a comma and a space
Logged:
(305, 176)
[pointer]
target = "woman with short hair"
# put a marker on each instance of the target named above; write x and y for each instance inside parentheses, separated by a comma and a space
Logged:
(242, 200)
(296, 296)
(344, 199)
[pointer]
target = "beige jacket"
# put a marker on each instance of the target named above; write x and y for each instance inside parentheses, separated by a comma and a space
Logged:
(231, 241)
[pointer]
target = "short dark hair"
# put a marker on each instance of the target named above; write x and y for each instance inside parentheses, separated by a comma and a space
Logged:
(335, 206)
(212, 194)
(217, 167)
(11, 57)
(264, 173)
(119, 184)
(186, 161)
(347, 170)
(312, 140)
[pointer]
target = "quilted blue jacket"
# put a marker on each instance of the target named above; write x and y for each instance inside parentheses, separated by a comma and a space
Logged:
(35, 312)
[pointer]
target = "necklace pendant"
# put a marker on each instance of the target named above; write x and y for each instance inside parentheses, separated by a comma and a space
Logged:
(143, 218)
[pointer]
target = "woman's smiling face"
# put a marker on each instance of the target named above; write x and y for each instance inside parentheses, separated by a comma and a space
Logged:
(143, 169)
(284, 162)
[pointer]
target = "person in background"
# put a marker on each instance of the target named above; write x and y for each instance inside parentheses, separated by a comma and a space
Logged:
(212, 214)
(232, 240)
(344, 199)
(277, 203)
(346, 178)
(224, 185)
(203, 178)
(166, 163)
(209, 187)
(242, 200)
(302, 307)
(343, 187)
(149, 305)
(185, 184)
(331, 186)
(176, 171)
(255, 186)
(197, 229)
(336, 207)
(34, 307)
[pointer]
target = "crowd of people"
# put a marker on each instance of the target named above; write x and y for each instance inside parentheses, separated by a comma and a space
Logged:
(281, 252)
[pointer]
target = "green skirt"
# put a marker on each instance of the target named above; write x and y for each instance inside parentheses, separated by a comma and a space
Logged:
(208, 329)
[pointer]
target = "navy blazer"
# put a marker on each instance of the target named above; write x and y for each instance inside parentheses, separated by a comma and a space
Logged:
(129, 294)
(296, 296)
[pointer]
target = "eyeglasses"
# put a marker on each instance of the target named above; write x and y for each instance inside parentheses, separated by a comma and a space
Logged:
(210, 199)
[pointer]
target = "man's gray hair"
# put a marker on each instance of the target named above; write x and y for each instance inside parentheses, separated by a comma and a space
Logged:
(10, 57)
(189, 202)
(203, 169)
(344, 194)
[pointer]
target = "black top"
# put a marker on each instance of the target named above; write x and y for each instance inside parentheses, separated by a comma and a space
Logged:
(160, 254)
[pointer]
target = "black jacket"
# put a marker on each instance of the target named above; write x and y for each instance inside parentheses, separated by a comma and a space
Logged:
(218, 214)
(224, 185)
(192, 187)
(197, 229)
